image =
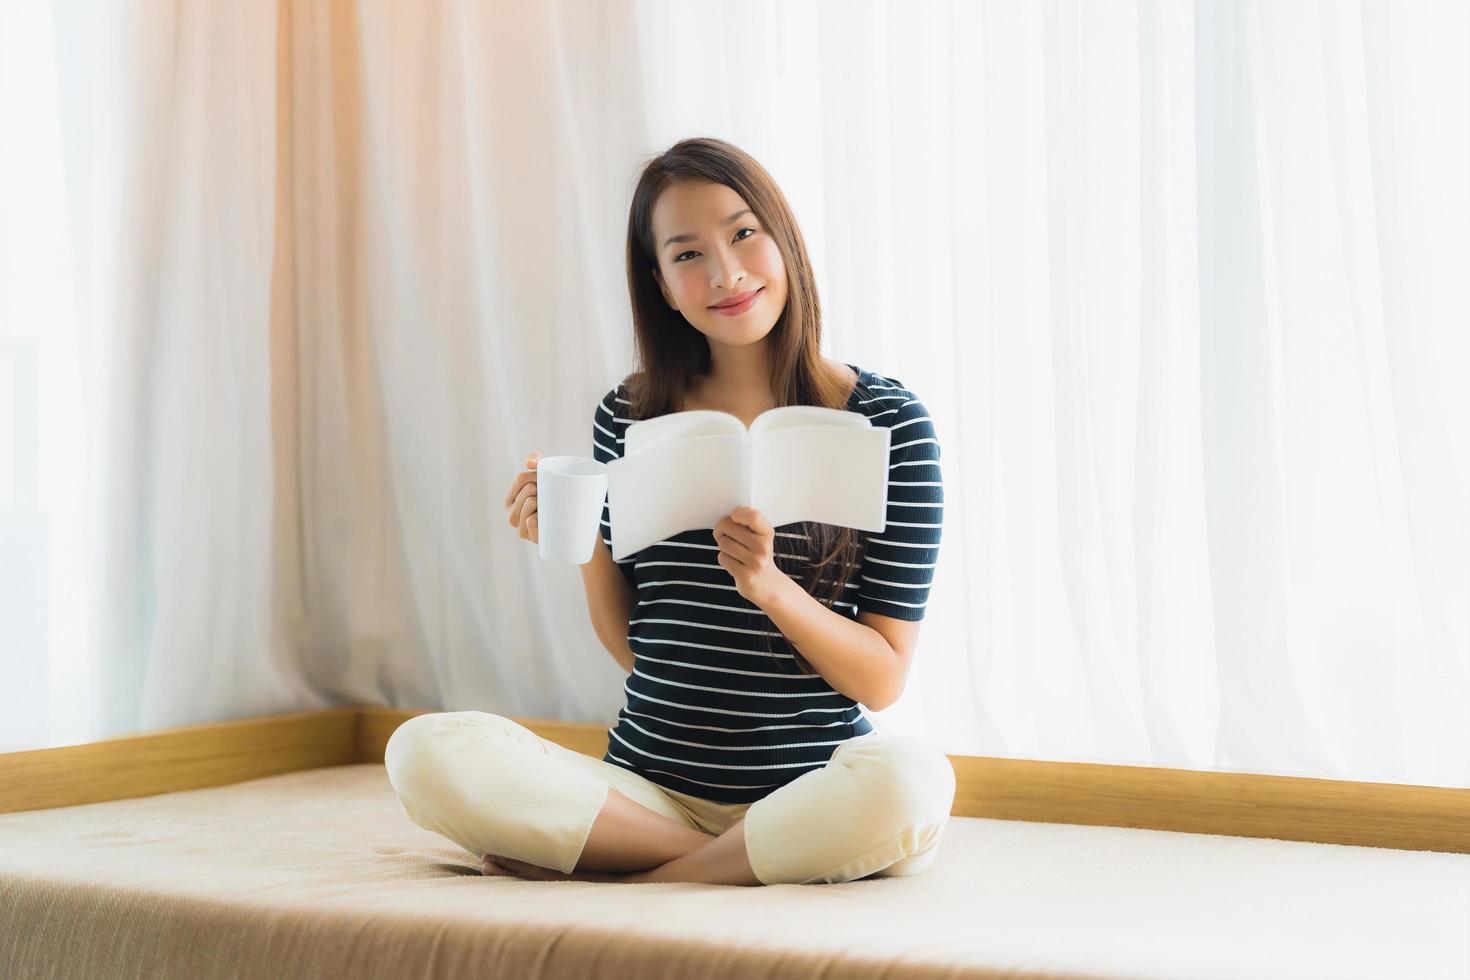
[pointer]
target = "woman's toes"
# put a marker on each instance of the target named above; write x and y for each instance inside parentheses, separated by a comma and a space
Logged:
(499, 865)
(527, 870)
(496, 865)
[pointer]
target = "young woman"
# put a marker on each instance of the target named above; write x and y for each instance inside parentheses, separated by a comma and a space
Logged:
(742, 755)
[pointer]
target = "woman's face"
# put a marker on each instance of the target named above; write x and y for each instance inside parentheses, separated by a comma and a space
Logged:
(723, 253)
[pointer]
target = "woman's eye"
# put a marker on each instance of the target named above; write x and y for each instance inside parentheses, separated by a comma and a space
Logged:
(680, 256)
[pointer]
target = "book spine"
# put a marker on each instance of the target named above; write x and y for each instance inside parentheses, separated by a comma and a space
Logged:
(747, 470)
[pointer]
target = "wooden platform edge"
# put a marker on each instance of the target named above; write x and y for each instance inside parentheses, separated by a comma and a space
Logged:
(170, 759)
(1327, 811)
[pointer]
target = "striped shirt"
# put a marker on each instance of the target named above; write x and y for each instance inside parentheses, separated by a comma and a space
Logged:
(710, 711)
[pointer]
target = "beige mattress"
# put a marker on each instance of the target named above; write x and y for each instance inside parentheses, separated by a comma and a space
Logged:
(319, 873)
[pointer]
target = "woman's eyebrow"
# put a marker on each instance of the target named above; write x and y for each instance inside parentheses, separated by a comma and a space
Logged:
(690, 236)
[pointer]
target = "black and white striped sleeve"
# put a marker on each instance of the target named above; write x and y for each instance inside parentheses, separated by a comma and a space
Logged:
(898, 564)
(607, 444)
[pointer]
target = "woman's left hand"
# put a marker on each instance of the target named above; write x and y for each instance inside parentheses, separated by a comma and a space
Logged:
(748, 552)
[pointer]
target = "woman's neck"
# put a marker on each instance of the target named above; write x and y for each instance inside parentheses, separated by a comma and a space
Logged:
(723, 395)
(738, 377)
(709, 397)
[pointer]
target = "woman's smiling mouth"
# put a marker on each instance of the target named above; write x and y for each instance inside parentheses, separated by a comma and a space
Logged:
(735, 309)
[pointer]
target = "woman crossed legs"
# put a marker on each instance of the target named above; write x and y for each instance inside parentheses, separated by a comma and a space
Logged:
(878, 807)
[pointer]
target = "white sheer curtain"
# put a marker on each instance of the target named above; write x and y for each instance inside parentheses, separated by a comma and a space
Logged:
(290, 292)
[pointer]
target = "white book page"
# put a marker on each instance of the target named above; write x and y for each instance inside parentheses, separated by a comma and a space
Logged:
(677, 425)
(672, 485)
(787, 416)
(831, 472)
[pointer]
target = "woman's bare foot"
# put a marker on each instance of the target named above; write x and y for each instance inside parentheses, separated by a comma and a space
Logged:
(496, 865)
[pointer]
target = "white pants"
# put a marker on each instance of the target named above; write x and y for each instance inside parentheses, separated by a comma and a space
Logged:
(877, 808)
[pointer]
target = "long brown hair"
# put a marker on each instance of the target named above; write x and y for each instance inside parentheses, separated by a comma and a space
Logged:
(673, 355)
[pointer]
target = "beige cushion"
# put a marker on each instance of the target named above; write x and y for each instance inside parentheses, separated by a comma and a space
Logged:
(319, 873)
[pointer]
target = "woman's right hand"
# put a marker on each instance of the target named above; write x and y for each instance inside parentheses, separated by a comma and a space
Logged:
(521, 501)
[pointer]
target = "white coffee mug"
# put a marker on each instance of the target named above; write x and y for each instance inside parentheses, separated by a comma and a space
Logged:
(569, 495)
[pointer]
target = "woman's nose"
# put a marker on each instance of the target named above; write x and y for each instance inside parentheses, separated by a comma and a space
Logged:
(728, 281)
(722, 264)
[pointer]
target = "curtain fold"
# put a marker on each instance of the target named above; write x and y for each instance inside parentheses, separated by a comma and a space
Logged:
(1182, 286)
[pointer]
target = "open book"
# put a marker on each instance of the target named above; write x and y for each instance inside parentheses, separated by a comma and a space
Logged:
(686, 470)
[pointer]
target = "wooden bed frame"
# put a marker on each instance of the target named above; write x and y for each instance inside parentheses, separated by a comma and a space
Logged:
(1425, 818)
